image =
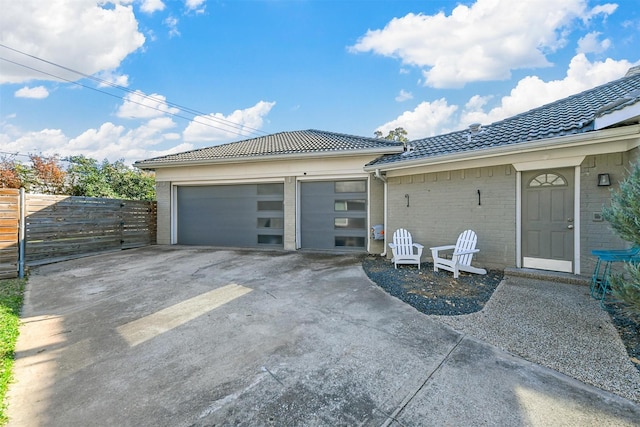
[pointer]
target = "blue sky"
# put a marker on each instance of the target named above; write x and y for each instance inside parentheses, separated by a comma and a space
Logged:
(164, 76)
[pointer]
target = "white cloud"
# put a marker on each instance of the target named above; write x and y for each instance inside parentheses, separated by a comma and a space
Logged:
(196, 6)
(478, 43)
(404, 96)
(427, 119)
(172, 23)
(601, 9)
(109, 141)
(150, 6)
(45, 141)
(161, 123)
(217, 127)
(591, 44)
(38, 92)
(110, 78)
(438, 117)
(137, 105)
(156, 136)
(83, 35)
(116, 142)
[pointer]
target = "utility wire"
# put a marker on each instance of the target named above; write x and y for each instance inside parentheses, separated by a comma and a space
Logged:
(236, 127)
(111, 94)
(111, 84)
(7, 153)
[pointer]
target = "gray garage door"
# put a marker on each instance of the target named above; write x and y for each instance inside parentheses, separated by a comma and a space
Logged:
(333, 215)
(248, 215)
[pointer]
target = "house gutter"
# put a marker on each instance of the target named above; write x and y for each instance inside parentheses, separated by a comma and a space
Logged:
(384, 199)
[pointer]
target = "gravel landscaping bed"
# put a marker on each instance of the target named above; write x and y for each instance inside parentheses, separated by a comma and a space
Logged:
(433, 292)
(628, 328)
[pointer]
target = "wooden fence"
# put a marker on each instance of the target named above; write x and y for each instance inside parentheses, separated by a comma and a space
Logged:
(64, 227)
(9, 220)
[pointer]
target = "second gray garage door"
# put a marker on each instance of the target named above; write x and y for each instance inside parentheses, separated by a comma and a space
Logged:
(333, 215)
(247, 215)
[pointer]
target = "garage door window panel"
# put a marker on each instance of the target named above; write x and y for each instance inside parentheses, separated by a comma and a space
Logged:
(270, 205)
(270, 239)
(270, 190)
(350, 186)
(277, 223)
(349, 241)
(349, 223)
(350, 205)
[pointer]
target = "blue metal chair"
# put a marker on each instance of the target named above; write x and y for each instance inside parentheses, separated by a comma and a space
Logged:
(611, 256)
(600, 283)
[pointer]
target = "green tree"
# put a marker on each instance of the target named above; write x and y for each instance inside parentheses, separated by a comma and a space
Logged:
(129, 183)
(86, 178)
(112, 180)
(398, 134)
(624, 217)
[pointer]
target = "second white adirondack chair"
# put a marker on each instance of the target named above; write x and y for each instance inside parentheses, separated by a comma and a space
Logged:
(462, 255)
(403, 249)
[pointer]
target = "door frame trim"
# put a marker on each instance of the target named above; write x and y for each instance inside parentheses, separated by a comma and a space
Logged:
(567, 162)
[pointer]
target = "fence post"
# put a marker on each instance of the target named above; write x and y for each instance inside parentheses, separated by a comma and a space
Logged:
(21, 234)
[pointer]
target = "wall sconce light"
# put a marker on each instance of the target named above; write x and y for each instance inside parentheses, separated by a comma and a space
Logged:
(604, 180)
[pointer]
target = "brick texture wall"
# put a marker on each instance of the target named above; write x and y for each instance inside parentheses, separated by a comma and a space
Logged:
(376, 210)
(290, 213)
(596, 233)
(163, 196)
(441, 205)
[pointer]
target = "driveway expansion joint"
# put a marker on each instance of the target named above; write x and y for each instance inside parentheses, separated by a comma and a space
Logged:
(409, 397)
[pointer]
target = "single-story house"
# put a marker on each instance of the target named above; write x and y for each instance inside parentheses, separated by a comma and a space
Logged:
(532, 186)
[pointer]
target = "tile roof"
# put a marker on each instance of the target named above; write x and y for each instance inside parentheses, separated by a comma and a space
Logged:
(283, 143)
(567, 116)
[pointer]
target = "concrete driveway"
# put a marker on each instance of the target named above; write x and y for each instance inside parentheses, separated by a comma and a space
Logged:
(175, 336)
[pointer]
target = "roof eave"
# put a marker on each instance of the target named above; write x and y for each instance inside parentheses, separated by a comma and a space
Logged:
(586, 138)
(271, 157)
(627, 114)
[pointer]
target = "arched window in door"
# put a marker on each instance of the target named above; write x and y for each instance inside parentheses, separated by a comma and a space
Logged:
(548, 179)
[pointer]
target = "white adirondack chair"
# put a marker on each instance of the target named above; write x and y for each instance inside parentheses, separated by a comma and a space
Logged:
(462, 255)
(403, 249)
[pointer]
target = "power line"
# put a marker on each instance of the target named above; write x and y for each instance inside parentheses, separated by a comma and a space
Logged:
(236, 127)
(125, 89)
(7, 153)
